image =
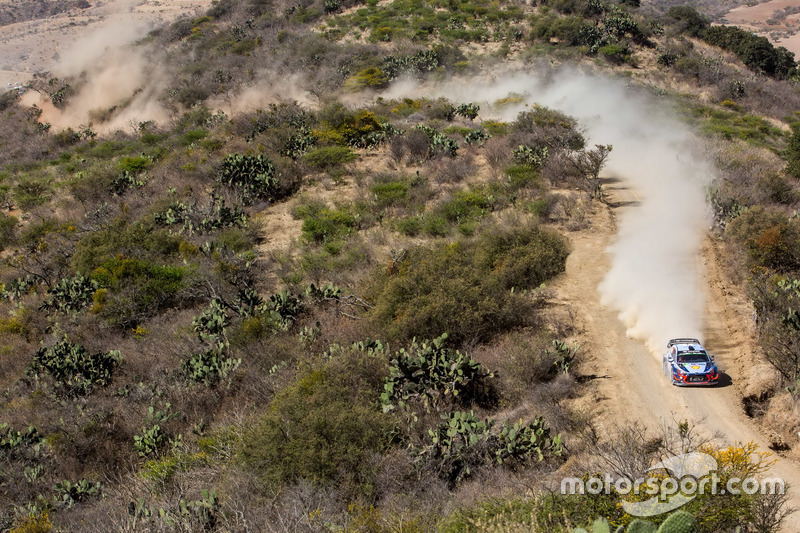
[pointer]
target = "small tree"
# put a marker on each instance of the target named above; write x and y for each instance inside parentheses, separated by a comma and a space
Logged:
(589, 164)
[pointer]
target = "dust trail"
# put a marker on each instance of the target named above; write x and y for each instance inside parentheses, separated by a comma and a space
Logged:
(269, 88)
(653, 281)
(122, 82)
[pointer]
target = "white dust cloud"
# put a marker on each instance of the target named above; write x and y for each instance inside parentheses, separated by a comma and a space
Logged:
(119, 83)
(92, 50)
(269, 88)
(654, 279)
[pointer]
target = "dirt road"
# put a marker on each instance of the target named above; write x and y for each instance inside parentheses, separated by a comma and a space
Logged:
(631, 385)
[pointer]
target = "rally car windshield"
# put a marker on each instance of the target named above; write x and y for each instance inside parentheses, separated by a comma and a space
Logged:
(693, 358)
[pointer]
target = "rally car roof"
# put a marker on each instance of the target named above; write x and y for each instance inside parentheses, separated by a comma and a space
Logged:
(682, 346)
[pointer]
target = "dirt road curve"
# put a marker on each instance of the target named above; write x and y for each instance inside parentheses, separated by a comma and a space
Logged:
(631, 385)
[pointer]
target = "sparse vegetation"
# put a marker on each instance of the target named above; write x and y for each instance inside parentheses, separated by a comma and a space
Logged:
(190, 308)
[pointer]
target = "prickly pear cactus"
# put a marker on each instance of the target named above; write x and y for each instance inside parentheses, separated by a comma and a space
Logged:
(641, 526)
(679, 522)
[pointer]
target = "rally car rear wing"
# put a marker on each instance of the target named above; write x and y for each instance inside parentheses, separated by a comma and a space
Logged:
(682, 341)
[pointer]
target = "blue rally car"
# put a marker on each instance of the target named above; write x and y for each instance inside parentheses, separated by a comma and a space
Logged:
(688, 363)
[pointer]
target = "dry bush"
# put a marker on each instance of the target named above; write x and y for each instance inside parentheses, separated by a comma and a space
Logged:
(559, 173)
(782, 417)
(545, 206)
(451, 170)
(21, 143)
(413, 147)
(776, 188)
(572, 210)
(522, 359)
(737, 163)
(337, 327)
(11, 364)
(400, 484)
(497, 152)
(770, 97)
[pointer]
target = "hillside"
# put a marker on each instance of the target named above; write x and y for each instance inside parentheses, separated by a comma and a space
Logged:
(391, 266)
(777, 20)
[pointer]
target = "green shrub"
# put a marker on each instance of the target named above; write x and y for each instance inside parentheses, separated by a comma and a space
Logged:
(522, 257)
(503, 513)
(329, 157)
(464, 288)
(568, 30)
(322, 224)
(360, 129)
(192, 136)
(411, 226)
(792, 153)
(778, 188)
(134, 164)
(35, 522)
(123, 238)
(390, 193)
(30, 193)
(521, 176)
(164, 469)
(465, 205)
(437, 225)
(734, 125)
(530, 358)
(324, 427)
(495, 128)
(369, 78)
(75, 370)
(137, 289)
(613, 53)
(755, 51)
(691, 22)
(8, 225)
